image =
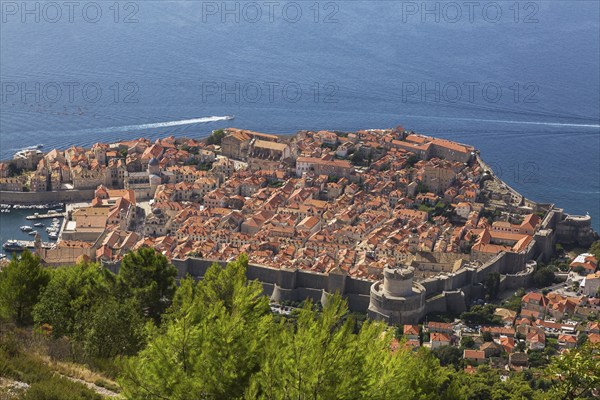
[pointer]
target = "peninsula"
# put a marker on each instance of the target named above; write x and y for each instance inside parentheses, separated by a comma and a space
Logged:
(399, 223)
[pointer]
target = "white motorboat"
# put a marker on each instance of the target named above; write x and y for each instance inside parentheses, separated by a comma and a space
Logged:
(26, 228)
(13, 245)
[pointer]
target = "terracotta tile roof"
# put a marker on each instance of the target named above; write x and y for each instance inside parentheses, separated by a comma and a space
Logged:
(411, 330)
(439, 337)
(474, 354)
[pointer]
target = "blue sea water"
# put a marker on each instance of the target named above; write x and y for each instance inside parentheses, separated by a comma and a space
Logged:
(518, 80)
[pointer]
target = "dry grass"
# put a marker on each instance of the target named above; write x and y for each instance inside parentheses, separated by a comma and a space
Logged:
(11, 389)
(37, 346)
(76, 371)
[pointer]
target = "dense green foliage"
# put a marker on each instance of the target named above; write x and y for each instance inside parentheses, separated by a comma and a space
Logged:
(595, 249)
(485, 385)
(481, 315)
(66, 302)
(514, 301)
(218, 339)
(543, 276)
(103, 312)
(21, 282)
(576, 374)
(150, 279)
(448, 355)
(492, 285)
(216, 137)
(113, 329)
(467, 342)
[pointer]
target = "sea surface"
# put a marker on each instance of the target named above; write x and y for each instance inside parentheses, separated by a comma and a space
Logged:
(13, 219)
(518, 80)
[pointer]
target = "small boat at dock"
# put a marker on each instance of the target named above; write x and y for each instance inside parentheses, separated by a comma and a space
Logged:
(12, 245)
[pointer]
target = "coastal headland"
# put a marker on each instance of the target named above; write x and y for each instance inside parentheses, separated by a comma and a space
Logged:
(401, 224)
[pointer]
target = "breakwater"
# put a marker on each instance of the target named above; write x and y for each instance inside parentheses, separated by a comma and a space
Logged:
(61, 196)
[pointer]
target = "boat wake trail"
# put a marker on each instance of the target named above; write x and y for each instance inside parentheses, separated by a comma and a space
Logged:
(544, 123)
(67, 138)
(593, 126)
(158, 124)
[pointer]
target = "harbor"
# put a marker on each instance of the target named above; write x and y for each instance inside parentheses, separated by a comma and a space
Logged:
(46, 216)
(20, 224)
(20, 245)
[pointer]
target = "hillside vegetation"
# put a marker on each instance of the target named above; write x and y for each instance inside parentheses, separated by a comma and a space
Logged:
(218, 339)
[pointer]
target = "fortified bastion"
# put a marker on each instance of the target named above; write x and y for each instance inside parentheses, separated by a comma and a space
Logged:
(397, 299)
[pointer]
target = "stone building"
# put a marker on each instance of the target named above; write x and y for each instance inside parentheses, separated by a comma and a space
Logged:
(333, 168)
(145, 183)
(236, 143)
(11, 184)
(266, 155)
(156, 223)
(397, 299)
(438, 178)
(89, 177)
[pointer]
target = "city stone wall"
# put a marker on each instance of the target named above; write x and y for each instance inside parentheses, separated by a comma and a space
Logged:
(513, 270)
(290, 285)
(453, 302)
(306, 279)
(62, 196)
(358, 302)
(519, 280)
(436, 304)
(451, 292)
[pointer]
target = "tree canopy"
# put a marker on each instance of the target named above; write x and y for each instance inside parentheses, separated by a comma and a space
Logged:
(209, 343)
(576, 373)
(21, 283)
(216, 137)
(70, 295)
(481, 315)
(220, 340)
(485, 385)
(595, 249)
(217, 338)
(150, 279)
(106, 313)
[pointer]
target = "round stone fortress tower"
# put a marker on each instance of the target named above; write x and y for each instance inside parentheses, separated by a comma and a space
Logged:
(397, 299)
